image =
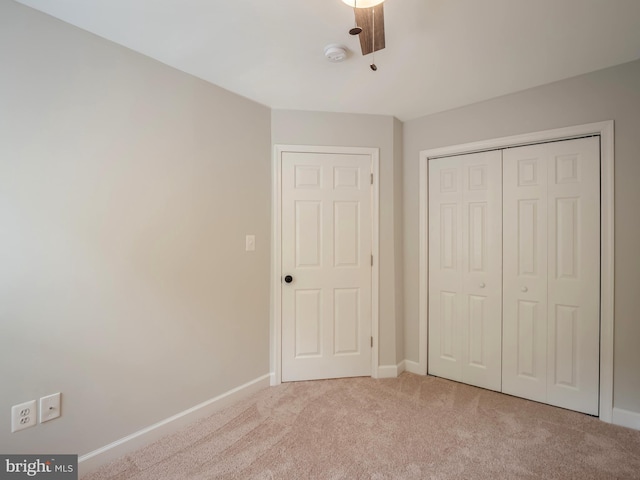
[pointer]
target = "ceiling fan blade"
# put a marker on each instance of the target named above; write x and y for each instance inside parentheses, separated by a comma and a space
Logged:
(364, 19)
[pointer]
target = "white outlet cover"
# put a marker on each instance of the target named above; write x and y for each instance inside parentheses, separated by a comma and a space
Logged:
(49, 407)
(23, 416)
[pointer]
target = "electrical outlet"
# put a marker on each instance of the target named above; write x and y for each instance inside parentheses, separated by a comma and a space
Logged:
(49, 407)
(23, 416)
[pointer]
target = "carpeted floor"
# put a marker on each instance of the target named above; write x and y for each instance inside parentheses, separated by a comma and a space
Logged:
(411, 427)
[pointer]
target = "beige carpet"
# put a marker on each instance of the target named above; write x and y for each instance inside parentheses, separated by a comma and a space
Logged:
(411, 427)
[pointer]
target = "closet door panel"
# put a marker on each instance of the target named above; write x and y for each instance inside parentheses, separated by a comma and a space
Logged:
(482, 269)
(465, 268)
(574, 272)
(552, 269)
(445, 268)
(524, 367)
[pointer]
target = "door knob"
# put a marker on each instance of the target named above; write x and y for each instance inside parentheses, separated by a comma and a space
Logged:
(288, 279)
(524, 289)
(482, 285)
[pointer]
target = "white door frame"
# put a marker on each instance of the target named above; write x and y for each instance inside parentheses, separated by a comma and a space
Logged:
(605, 130)
(276, 248)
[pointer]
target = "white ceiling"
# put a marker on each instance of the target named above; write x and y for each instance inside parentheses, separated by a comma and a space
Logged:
(440, 54)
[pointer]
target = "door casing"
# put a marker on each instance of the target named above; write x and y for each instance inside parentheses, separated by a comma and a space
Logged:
(606, 132)
(276, 243)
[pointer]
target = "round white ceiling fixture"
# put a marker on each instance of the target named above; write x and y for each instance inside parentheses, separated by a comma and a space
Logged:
(363, 3)
(335, 53)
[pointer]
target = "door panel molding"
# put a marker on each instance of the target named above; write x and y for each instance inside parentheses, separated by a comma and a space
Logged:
(528, 174)
(344, 177)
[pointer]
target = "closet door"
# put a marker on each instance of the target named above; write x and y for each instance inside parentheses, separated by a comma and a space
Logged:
(551, 273)
(525, 273)
(465, 268)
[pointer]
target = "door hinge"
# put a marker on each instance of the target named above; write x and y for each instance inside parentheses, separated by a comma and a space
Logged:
(372, 259)
(371, 342)
(372, 179)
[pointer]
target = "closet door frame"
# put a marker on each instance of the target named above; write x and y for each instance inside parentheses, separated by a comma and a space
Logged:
(606, 132)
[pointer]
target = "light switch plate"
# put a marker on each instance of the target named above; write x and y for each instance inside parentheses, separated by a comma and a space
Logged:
(250, 243)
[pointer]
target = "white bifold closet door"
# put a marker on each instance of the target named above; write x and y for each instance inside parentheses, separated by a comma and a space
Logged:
(465, 268)
(551, 296)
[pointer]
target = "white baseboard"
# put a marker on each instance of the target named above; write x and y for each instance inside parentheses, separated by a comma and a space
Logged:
(272, 380)
(412, 367)
(401, 367)
(390, 371)
(625, 418)
(93, 460)
(387, 371)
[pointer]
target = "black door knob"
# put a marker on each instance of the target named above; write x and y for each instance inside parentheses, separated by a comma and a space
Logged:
(288, 279)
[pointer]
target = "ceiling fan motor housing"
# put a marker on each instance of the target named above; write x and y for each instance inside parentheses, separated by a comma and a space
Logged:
(362, 3)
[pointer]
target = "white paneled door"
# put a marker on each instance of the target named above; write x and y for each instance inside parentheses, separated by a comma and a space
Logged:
(532, 329)
(326, 265)
(552, 273)
(465, 268)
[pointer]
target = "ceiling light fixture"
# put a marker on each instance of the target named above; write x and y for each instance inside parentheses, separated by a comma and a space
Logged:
(363, 3)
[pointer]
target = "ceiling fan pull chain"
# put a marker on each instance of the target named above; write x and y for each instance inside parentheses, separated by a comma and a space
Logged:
(373, 41)
(356, 30)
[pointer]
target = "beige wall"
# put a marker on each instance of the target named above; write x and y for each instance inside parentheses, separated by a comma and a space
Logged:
(126, 190)
(318, 128)
(611, 94)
